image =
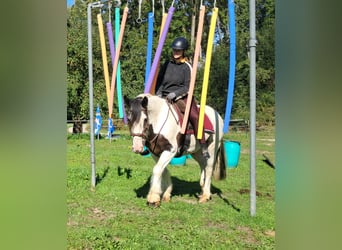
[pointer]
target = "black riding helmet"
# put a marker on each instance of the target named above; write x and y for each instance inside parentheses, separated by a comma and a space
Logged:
(180, 43)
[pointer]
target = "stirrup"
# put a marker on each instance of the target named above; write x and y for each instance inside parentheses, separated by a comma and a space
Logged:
(205, 152)
(206, 155)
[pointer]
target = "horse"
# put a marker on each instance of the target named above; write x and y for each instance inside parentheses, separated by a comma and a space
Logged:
(155, 123)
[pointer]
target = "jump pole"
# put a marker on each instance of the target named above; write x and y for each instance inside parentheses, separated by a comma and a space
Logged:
(154, 82)
(112, 53)
(159, 50)
(116, 61)
(104, 56)
(232, 61)
(206, 72)
(194, 68)
(118, 72)
(149, 45)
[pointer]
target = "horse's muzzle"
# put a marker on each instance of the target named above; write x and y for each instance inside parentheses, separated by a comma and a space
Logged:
(138, 145)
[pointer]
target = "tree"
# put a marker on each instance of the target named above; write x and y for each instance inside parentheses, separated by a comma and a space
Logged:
(133, 54)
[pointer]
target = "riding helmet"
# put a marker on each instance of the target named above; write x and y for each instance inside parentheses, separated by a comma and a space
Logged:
(180, 43)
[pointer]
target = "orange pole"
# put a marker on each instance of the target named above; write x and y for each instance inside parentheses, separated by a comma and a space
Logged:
(194, 68)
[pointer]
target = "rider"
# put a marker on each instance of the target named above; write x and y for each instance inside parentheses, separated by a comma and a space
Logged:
(173, 83)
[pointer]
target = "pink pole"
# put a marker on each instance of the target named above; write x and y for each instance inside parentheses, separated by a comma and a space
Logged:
(194, 68)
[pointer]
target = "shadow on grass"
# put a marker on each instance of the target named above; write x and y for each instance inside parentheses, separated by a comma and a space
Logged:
(99, 177)
(182, 187)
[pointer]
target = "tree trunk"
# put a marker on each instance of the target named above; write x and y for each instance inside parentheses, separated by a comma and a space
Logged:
(77, 128)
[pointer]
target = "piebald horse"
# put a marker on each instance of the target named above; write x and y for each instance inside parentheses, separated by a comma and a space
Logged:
(154, 123)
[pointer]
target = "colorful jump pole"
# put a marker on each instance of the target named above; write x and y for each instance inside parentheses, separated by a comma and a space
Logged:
(116, 61)
(154, 82)
(194, 68)
(111, 41)
(110, 127)
(118, 73)
(149, 45)
(159, 50)
(104, 56)
(232, 61)
(206, 72)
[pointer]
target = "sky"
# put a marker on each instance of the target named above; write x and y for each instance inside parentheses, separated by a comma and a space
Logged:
(70, 2)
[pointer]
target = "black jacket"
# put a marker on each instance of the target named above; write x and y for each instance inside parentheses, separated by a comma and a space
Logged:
(174, 77)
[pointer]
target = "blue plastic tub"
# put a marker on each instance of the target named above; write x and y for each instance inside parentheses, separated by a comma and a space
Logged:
(232, 153)
(178, 161)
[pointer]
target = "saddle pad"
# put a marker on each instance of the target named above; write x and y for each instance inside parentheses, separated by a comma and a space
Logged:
(207, 125)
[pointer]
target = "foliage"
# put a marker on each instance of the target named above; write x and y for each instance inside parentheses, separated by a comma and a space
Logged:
(133, 51)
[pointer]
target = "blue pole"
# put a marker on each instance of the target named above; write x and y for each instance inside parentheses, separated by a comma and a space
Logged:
(232, 60)
(149, 45)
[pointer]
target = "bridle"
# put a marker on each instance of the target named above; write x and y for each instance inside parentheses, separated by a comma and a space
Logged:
(144, 133)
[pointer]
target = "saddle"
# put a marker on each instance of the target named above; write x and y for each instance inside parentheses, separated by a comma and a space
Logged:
(207, 125)
(185, 139)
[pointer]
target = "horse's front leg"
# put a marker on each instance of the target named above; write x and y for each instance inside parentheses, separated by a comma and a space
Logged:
(160, 174)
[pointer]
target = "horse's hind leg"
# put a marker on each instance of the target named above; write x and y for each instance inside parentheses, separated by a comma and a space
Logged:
(166, 185)
(206, 173)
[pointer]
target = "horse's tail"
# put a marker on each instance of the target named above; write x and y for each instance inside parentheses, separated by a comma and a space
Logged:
(219, 171)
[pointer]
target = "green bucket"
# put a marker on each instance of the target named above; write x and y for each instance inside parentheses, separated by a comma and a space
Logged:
(232, 153)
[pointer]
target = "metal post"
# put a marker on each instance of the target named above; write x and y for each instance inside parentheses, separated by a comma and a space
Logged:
(252, 50)
(91, 95)
(91, 102)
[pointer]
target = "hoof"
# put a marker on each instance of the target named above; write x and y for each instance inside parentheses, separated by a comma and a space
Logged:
(153, 204)
(166, 198)
(203, 198)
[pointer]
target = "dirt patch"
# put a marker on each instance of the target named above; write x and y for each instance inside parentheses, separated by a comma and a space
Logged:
(188, 201)
(270, 233)
(248, 234)
(271, 140)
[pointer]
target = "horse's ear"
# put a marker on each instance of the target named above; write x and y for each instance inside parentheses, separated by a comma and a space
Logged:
(127, 101)
(144, 102)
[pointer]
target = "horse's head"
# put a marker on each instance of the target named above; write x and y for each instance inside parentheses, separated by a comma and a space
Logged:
(138, 122)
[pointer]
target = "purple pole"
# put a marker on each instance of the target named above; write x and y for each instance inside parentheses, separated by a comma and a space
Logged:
(159, 50)
(111, 41)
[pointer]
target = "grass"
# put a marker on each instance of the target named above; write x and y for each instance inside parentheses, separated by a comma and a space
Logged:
(114, 215)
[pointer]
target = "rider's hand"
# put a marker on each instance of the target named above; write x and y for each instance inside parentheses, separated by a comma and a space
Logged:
(171, 96)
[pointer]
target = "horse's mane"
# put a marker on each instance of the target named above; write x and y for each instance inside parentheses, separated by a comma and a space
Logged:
(154, 102)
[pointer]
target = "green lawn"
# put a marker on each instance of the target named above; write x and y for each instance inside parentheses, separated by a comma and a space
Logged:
(115, 214)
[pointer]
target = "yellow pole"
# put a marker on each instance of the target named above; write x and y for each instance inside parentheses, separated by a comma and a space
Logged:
(194, 68)
(104, 56)
(206, 72)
